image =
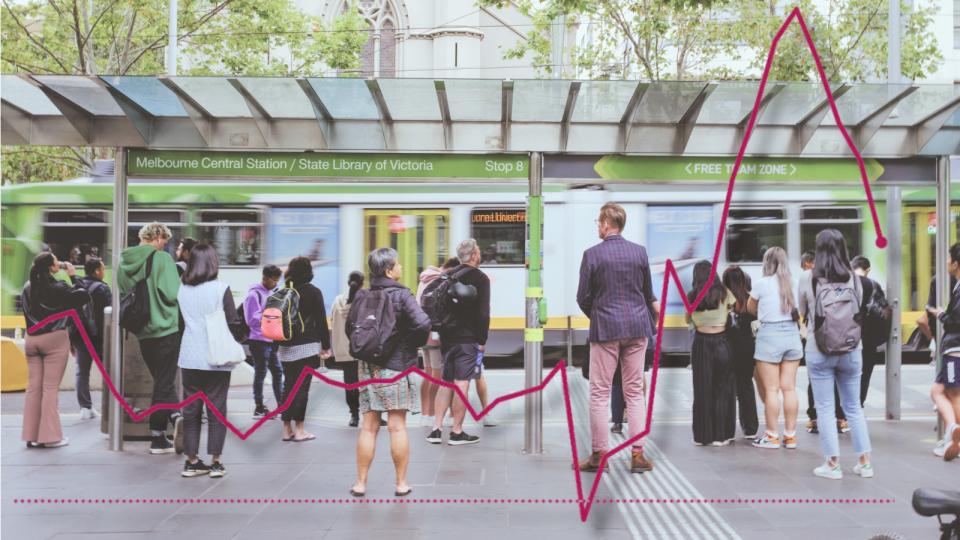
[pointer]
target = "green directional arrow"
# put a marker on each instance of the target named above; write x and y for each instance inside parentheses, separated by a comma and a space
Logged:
(617, 167)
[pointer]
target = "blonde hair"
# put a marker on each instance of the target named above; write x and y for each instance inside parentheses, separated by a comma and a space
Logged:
(152, 231)
(775, 264)
(614, 214)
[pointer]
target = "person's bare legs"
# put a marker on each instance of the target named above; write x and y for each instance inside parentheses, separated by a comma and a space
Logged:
(770, 375)
(761, 391)
(459, 407)
(426, 399)
(432, 391)
(442, 403)
(948, 408)
(482, 391)
(788, 385)
(399, 447)
(366, 447)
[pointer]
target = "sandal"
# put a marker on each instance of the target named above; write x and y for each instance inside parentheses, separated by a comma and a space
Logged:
(285, 439)
(357, 493)
(405, 493)
(310, 438)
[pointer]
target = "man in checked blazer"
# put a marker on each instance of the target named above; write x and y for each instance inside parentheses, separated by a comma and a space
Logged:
(615, 292)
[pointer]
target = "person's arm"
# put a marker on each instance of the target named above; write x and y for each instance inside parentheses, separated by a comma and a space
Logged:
(585, 293)
(253, 309)
(483, 311)
(66, 296)
(418, 324)
(752, 306)
(802, 297)
(320, 316)
(648, 293)
(233, 319)
(168, 282)
(687, 317)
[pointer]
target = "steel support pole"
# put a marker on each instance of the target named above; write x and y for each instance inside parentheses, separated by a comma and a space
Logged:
(894, 261)
(893, 44)
(172, 48)
(533, 332)
(943, 249)
(115, 425)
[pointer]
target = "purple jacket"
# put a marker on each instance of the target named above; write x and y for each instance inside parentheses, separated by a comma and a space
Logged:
(253, 309)
(615, 290)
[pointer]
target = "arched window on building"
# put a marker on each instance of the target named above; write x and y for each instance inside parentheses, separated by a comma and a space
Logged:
(380, 50)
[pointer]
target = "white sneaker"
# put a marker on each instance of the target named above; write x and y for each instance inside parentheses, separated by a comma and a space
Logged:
(766, 441)
(426, 421)
(826, 471)
(490, 421)
(448, 421)
(62, 442)
(323, 369)
(87, 414)
(866, 471)
(941, 448)
(721, 443)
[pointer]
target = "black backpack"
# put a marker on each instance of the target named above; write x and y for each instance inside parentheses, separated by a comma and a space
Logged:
(374, 336)
(135, 305)
(88, 317)
(445, 297)
(244, 327)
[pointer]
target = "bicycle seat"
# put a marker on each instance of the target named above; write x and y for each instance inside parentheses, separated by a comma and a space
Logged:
(933, 502)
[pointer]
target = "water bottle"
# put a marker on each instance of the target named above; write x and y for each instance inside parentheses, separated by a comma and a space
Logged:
(479, 359)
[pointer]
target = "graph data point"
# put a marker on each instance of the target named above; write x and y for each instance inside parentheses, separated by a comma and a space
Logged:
(881, 242)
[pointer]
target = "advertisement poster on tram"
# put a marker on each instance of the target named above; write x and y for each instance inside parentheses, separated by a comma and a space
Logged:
(683, 234)
(313, 233)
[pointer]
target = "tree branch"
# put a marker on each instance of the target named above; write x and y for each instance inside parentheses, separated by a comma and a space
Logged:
(77, 33)
(34, 41)
(843, 59)
(82, 162)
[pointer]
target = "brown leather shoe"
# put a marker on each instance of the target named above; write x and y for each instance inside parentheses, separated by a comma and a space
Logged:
(592, 463)
(640, 464)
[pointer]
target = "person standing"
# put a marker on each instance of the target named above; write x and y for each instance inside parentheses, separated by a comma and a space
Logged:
(47, 347)
(823, 296)
(807, 264)
(182, 254)
(743, 345)
(875, 320)
(102, 297)
(946, 387)
(202, 295)
(778, 349)
(462, 349)
(397, 398)
(263, 350)
(341, 343)
(431, 351)
(303, 351)
(711, 357)
(160, 338)
(615, 292)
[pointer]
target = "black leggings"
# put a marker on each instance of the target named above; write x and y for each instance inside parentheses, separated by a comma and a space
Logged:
(297, 410)
(351, 376)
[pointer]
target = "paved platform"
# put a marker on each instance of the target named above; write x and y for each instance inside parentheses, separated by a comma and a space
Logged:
(265, 468)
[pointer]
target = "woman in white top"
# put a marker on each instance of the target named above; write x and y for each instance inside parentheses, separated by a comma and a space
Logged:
(778, 351)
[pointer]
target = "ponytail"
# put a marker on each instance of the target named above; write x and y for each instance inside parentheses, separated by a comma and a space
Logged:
(356, 283)
(40, 267)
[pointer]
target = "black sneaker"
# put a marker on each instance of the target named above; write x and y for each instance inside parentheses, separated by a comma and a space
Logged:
(354, 421)
(617, 428)
(161, 445)
(260, 411)
(435, 437)
(197, 469)
(457, 439)
(217, 469)
(383, 423)
(178, 434)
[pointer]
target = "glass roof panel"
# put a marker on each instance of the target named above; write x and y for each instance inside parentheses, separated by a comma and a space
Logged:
(85, 93)
(861, 101)
(346, 98)
(26, 96)
(730, 102)
(215, 95)
(479, 100)
(149, 93)
(280, 97)
(603, 101)
(794, 103)
(539, 100)
(924, 101)
(667, 102)
(411, 99)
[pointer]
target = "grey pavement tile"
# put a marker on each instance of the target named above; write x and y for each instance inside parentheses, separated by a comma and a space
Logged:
(399, 534)
(293, 517)
(464, 533)
(206, 535)
(125, 518)
(784, 515)
(99, 536)
(381, 517)
(884, 515)
(35, 527)
(200, 524)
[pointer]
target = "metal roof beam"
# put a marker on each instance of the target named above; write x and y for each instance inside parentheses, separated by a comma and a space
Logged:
(806, 127)
(926, 128)
(567, 113)
(626, 121)
(80, 119)
(324, 118)
(868, 127)
(386, 121)
(141, 119)
(260, 115)
(445, 114)
(200, 117)
(689, 119)
(17, 124)
(506, 113)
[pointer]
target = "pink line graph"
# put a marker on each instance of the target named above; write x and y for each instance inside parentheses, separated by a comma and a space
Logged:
(585, 503)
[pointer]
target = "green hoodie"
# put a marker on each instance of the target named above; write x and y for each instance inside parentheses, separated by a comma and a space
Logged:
(164, 284)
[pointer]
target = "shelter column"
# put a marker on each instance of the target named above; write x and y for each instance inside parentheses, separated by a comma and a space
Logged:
(943, 250)
(115, 424)
(533, 332)
(894, 261)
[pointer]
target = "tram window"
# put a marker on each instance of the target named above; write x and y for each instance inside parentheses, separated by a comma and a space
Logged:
(501, 235)
(846, 220)
(752, 231)
(173, 219)
(420, 236)
(236, 235)
(77, 234)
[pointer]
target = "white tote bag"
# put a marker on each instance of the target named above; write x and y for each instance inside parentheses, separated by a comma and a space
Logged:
(222, 349)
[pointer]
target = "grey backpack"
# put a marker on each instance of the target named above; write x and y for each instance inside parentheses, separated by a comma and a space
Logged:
(837, 324)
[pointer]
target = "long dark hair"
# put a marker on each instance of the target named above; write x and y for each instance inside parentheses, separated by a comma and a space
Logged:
(735, 279)
(299, 271)
(701, 274)
(202, 267)
(833, 262)
(356, 283)
(38, 270)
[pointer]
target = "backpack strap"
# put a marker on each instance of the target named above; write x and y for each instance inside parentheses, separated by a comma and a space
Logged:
(150, 264)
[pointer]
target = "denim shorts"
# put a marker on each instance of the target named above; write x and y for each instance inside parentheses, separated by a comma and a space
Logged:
(949, 375)
(778, 341)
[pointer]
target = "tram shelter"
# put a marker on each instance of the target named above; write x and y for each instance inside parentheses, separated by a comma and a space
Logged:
(491, 131)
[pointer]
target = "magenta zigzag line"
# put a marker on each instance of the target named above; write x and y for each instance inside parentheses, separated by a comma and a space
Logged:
(584, 505)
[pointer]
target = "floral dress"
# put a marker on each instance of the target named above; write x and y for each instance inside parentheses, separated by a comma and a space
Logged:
(400, 395)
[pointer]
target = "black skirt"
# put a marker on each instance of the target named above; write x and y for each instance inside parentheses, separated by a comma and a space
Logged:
(714, 388)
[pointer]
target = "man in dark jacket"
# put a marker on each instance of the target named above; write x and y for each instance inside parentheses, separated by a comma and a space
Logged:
(101, 297)
(462, 349)
(946, 389)
(183, 254)
(871, 313)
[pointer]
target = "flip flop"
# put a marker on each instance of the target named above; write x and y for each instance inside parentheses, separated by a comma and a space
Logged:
(357, 493)
(404, 494)
(310, 438)
(288, 440)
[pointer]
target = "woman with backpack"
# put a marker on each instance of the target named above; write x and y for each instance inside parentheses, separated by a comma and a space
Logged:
(778, 349)
(341, 343)
(714, 383)
(304, 350)
(47, 348)
(411, 328)
(830, 298)
(743, 346)
(201, 296)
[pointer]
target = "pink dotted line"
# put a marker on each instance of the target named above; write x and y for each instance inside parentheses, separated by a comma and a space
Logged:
(450, 501)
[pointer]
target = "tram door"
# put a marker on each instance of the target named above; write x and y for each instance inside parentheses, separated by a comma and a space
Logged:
(421, 238)
(920, 251)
